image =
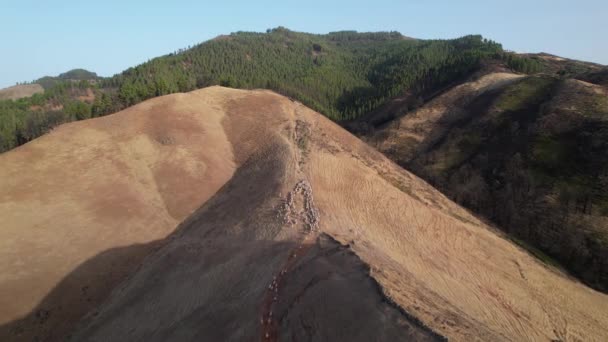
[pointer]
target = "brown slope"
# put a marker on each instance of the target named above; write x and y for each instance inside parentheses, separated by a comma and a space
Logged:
(125, 179)
(20, 91)
(213, 276)
(434, 260)
(414, 133)
(301, 181)
(528, 153)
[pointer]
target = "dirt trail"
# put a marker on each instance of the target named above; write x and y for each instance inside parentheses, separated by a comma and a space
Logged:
(297, 210)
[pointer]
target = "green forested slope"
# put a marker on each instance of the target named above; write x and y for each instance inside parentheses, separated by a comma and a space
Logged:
(342, 75)
(28, 118)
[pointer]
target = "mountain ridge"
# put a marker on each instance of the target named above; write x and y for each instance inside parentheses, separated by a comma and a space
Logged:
(427, 253)
(366, 81)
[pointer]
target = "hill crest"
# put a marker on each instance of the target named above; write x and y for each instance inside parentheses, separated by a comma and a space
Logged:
(285, 177)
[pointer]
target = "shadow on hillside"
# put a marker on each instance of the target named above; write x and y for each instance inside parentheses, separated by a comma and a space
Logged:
(353, 305)
(504, 165)
(90, 284)
(82, 290)
(208, 280)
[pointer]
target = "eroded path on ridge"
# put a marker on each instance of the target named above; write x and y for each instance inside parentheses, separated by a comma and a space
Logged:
(322, 287)
(297, 210)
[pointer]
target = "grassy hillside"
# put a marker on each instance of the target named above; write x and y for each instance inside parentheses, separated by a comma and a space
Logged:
(532, 156)
(597, 76)
(293, 228)
(20, 91)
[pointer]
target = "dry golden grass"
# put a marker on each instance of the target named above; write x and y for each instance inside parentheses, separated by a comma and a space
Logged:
(89, 186)
(441, 264)
(20, 91)
(131, 177)
(420, 128)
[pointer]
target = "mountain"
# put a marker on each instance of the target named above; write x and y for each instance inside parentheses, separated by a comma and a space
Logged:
(517, 139)
(40, 106)
(38, 86)
(341, 74)
(78, 74)
(344, 75)
(73, 75)
(290, 227)
(529, 153)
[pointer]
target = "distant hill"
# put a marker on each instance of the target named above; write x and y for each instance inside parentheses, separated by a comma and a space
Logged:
(599, 77)
(40, 106)
(565, 67)
(20, 91)
(78, 74)
(341, 74)
(530, 153)
(344, 74)
(72, 76)
(38, 86)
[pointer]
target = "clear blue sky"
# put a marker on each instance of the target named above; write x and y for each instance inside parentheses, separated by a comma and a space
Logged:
(49, 37)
